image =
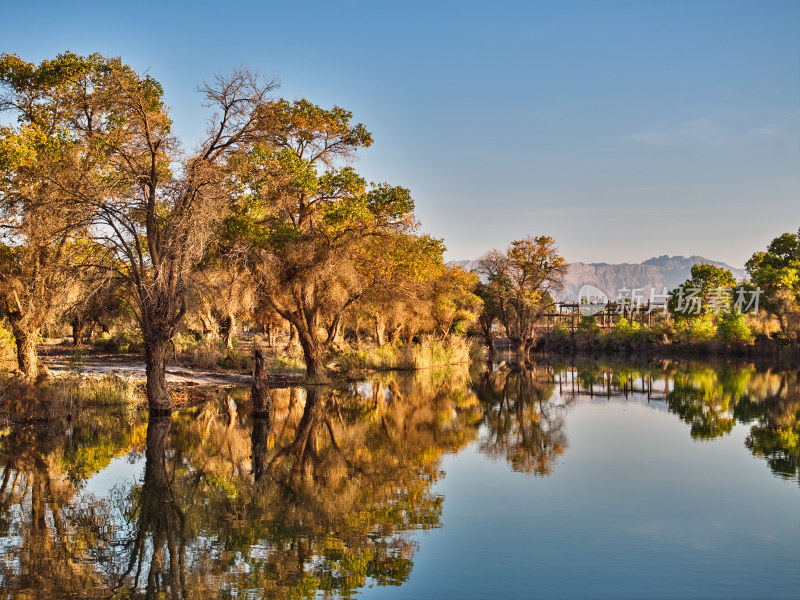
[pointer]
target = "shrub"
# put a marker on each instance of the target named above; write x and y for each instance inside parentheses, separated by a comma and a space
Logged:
(122, 342)
(186, 339)
(701, 329)
(587, 325)
(732, 328)
(286, 364)
(429, 352)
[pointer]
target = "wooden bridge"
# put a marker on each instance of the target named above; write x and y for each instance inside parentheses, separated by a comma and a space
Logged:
(568, 315)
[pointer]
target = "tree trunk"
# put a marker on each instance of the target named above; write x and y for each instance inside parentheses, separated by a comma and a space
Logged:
(230, 331)
(158, 398)
(520, 348)
(209, 327)
(259, 393)
(312, 354)
(492, 347)
(380, 328)
(338, 335)
(27, 359)
(77, 331)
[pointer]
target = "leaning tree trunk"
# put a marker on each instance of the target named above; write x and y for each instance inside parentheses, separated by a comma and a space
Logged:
(158, 398)
(259, 393)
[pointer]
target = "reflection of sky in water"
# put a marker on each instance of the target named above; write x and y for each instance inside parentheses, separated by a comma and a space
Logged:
(634, 508)
(121, 472)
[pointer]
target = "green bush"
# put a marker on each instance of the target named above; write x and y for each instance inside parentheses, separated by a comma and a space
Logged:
(701, 329)
(587, 325)
(188, 338)
(732, 328)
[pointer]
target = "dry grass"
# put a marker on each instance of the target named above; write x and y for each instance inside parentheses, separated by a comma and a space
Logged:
(51, 399)
(430, 352)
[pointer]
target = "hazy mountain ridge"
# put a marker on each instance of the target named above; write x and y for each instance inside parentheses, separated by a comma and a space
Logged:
(657, 272)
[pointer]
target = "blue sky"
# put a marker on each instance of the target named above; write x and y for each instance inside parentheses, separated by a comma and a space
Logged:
(623, 129)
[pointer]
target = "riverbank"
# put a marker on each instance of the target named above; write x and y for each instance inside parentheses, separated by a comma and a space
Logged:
(761, 350)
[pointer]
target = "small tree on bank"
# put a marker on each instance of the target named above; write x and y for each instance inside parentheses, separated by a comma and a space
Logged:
(520, 283)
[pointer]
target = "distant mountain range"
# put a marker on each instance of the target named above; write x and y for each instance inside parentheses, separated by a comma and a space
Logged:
(657, 272)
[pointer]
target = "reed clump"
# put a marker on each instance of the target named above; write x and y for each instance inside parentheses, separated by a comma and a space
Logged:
(429, 352)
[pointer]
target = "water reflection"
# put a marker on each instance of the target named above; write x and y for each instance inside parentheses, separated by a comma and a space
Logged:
(524, 423)
(321, 495)
(54, 536)
(712, 401)
(324, 492)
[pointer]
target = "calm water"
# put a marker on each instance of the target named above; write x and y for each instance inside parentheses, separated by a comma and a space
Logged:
(595, 481)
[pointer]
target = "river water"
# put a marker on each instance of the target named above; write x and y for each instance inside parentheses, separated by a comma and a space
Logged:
(575, 481)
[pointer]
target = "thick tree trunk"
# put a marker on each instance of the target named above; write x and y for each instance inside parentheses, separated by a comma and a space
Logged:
(158, 398)
(259, 393)
(524, 349)
(27, 359)
(520, 348)
(209, 327)
(77, 331)
(312, 354)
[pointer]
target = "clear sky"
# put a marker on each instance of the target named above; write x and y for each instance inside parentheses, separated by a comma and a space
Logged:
(623, 129)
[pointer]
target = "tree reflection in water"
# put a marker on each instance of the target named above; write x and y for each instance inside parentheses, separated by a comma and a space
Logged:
(158, 547)
(323, 493)
(523, 423)
(712, 400)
